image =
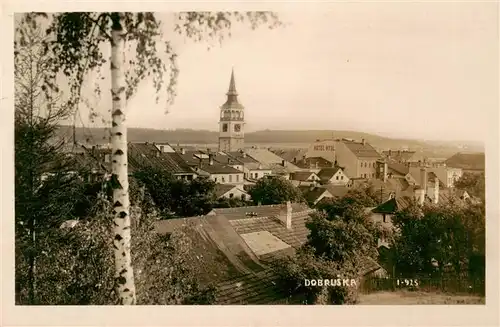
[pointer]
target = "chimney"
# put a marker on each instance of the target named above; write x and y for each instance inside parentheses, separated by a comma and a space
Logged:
(288, 222)
(200, 163)
(183, 151)
(283, 163)
(228, 160)
(294, 160)
(210, 159)
(316, 165)
(436, 190)
(363, 141)
(423, 178)
(384, 172)
(420, 195)
(157, 154)
(244, 154)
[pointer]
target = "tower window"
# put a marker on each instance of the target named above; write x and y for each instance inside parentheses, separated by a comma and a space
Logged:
(237, 127)
(224, 127)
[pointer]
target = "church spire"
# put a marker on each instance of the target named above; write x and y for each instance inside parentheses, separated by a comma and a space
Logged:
(232, 85)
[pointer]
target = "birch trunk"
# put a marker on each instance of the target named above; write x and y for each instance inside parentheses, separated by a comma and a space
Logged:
(124, 273)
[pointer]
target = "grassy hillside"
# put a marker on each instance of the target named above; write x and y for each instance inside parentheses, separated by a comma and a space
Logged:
(269, 138)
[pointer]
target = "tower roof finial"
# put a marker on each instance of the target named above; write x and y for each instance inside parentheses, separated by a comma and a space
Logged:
(232, 84)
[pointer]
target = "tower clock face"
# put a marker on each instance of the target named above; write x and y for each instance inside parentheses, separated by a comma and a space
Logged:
(237, 128)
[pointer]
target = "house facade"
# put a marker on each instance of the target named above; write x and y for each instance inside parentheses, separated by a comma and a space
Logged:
(357, 158)
(334, 175)
(231, 192)
(304, 178)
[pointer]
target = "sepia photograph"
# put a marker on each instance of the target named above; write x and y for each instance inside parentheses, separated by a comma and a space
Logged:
(328, 155)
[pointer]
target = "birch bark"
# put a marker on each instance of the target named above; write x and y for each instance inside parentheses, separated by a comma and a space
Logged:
(124, 274)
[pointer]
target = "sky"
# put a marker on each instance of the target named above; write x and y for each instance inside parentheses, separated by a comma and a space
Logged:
(410, 70)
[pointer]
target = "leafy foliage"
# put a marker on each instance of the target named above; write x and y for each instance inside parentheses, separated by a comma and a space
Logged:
(176, 196)
(231, 203)
(293, 271)
(474, 184)
(274, 190)
(453, 237)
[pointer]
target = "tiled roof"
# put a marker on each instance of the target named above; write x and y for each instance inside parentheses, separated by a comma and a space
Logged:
(295, 237)
(337, 191)
(394, 205)
(216, 246)
(259, 288)
(221, 189)
(189, 157)
(290, 154)
(242, 157)
(312, 194)
(328, 173)
(300, 175)
(311, 162)
(148, 155)
(256, 166)
(399, 168)
(225, 159)
(218, 168)
(257, 211)
(361, 150)
(267, 157)
(467, 161)
(399, 155)
(279, 169)
(179, 160)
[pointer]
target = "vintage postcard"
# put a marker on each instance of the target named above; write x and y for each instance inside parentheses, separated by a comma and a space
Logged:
(288, 164)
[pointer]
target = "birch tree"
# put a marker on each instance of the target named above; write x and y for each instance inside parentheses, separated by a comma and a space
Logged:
(77, 46)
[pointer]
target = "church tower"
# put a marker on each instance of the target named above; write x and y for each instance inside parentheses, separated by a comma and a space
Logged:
(231, 123)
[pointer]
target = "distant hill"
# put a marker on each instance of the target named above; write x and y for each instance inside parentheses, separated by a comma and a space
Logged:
(273, 138)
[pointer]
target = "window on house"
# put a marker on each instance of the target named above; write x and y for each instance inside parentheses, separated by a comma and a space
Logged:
(342, 177)
(237, 178)
(215, 179)
(384, 218)
(224, 127)
(223, 180)
(337, 177)
(231, 195)
(373, 175)
(243, 197)
(230, 178)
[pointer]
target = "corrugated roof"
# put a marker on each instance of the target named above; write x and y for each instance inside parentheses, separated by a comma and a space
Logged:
(361, 150)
